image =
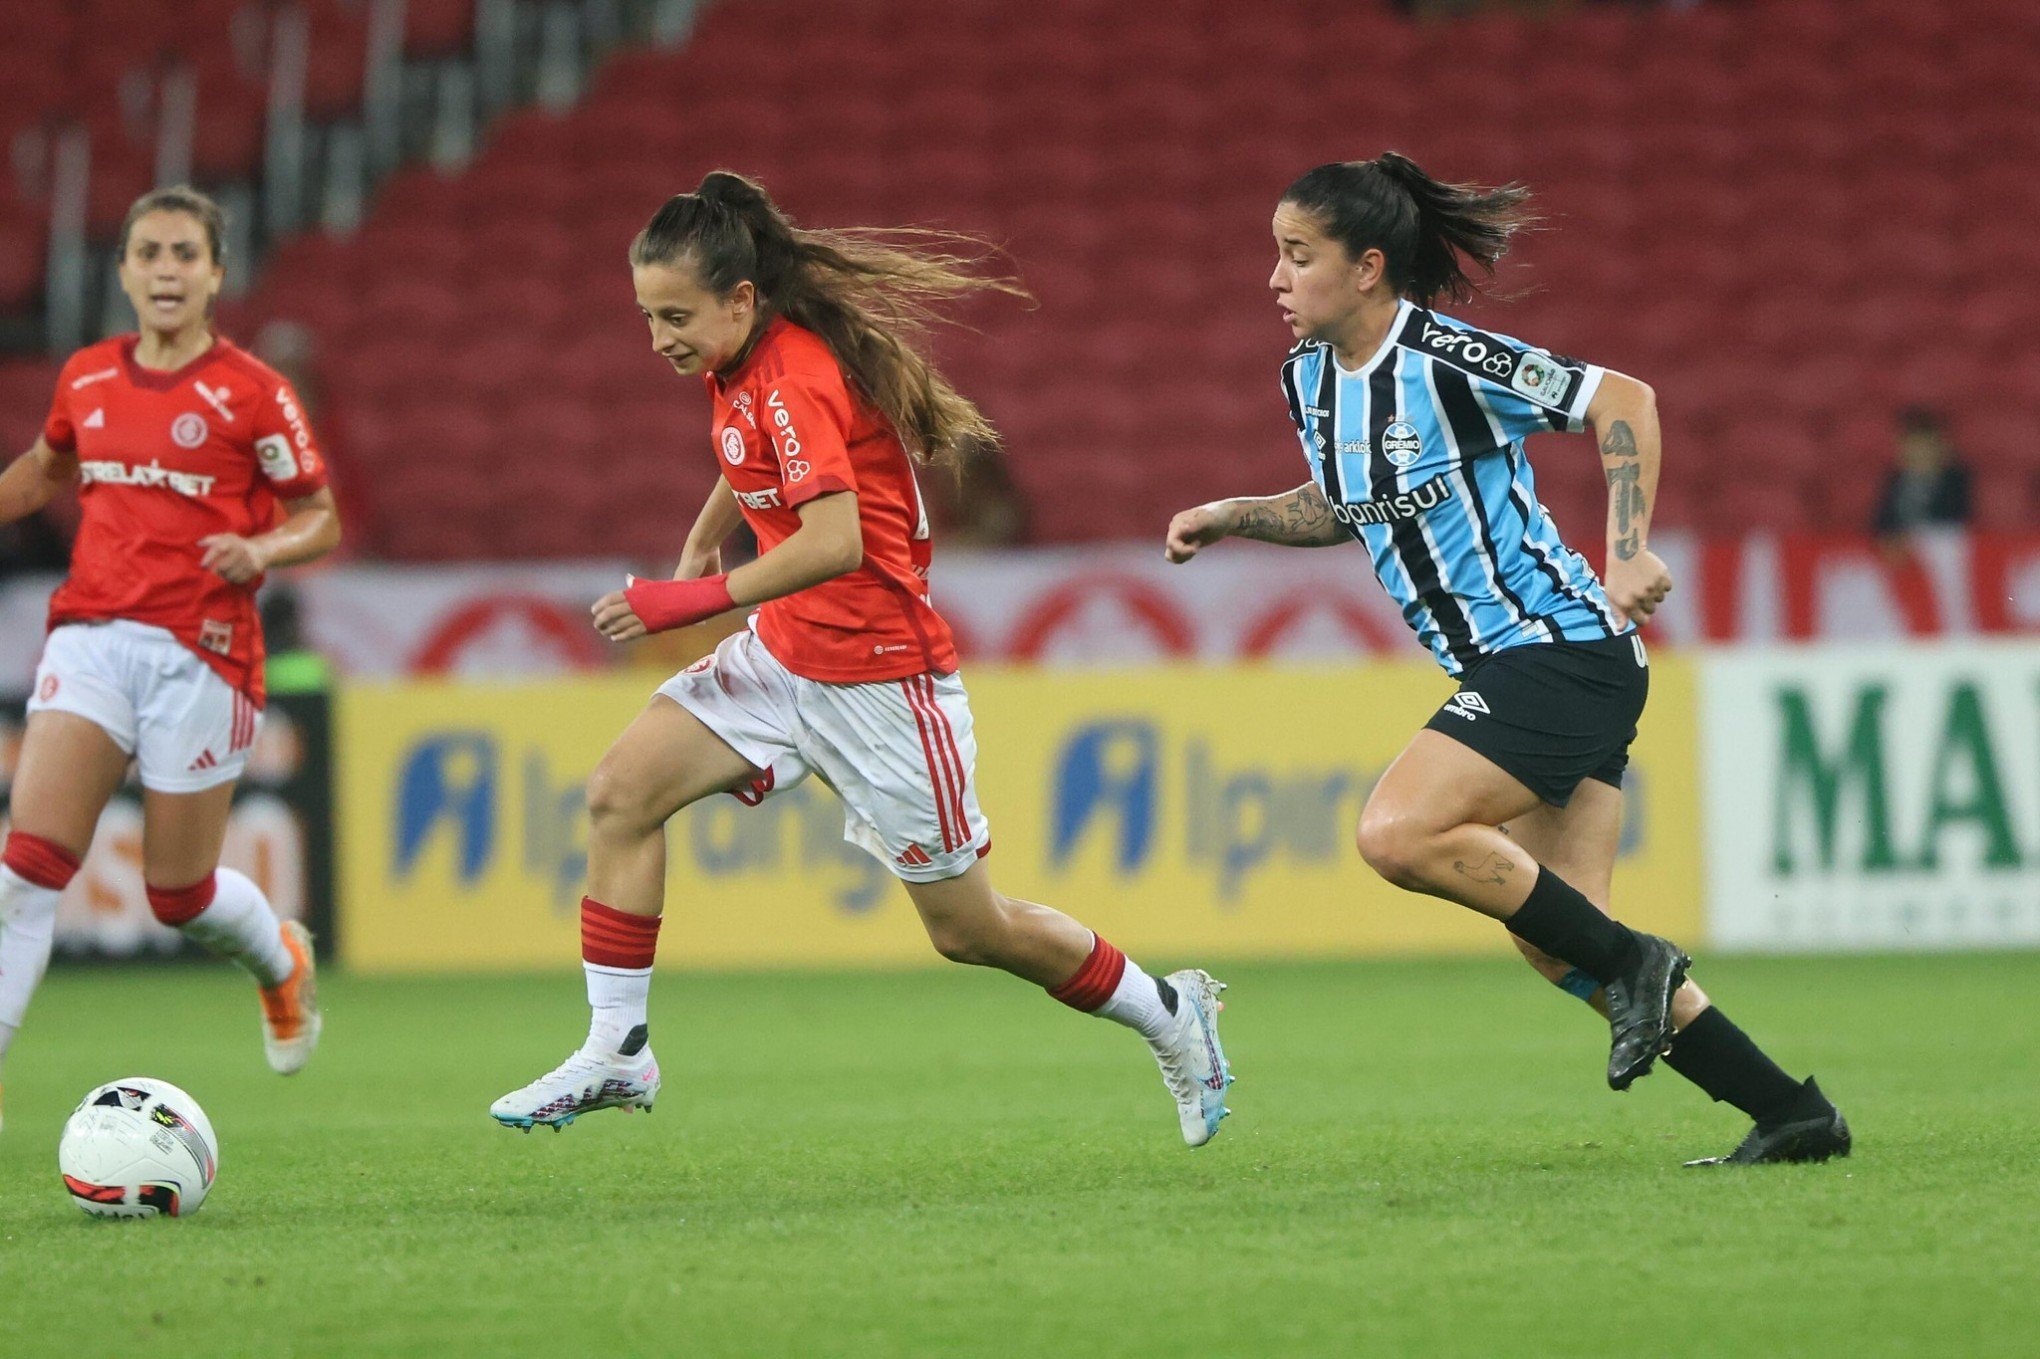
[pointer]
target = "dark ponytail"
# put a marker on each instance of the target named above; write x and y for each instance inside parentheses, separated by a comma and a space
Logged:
(1426, 230)
(868, 294)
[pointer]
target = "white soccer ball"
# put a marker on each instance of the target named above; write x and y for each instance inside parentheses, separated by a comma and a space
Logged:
(138, 1147)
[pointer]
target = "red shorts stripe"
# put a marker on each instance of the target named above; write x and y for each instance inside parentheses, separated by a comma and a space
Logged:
(946, 745)
(42, 862)
(1096, 980)
(613, 938)
(922, 724)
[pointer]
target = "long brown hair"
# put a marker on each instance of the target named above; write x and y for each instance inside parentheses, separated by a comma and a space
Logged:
(1426, 230)
(869, 293)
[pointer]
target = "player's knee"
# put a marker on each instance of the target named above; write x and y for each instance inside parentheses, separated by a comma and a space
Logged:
(966, 942)
(1394, 846)
(617, 803)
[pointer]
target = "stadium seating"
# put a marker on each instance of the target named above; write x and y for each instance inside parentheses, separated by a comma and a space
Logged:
(1790, 218)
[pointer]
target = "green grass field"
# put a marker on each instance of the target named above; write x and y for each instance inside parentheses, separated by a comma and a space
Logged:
(1423, 1161)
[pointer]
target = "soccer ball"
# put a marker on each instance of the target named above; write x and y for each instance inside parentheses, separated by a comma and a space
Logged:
(138, 1147)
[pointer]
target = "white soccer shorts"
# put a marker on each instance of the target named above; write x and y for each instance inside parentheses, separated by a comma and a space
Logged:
(187, 728)
(900, 753)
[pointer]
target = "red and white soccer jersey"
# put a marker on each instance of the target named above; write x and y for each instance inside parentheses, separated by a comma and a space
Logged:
(165, 459)
(789, 428)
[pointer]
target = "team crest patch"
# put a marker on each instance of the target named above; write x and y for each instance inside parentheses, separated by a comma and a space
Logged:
(1538, 378)
(188, 430)
(732, 446)
(1401, 445)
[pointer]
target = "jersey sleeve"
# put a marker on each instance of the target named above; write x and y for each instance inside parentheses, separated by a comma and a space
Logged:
(284, 447)
(807, 417)
(58, 431)
(1534, 390)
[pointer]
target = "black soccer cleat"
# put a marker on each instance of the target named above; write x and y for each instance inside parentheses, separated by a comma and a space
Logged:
(1812, 1130)
(1640, 1009)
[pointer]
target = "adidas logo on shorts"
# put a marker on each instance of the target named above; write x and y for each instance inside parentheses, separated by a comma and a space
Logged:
(914, 857)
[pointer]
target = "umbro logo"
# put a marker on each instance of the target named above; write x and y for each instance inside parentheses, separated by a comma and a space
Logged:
(1468, 705)
(96, 420)
(914, 857)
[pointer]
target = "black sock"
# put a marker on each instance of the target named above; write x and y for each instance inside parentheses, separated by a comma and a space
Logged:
(1557, 919)
(1721, 1059)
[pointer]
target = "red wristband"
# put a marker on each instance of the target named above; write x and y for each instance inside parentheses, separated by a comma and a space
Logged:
(664, 604)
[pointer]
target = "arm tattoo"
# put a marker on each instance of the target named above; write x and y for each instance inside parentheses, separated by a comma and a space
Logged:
(1492, 871)
(1303, 518)
(1625, 489)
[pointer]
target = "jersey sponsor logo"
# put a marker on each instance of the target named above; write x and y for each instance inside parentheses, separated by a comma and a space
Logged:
(1316, 411)
(1476, 352)
(741, 404)
(787, 439)
(216, 397)
(90, 378)
(732, 446)
(109, 473)
(1538, 378)
(1391, 509)
(96, 420)
(188, 430)
(767, 499)
(278, 462)
(1468, 705)
(1361, 448)
(300, 436)
(1401, 444)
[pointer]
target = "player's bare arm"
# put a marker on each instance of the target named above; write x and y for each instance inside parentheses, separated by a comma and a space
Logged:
(719, 517)
(828, 544)
(309, 531)
(33, 479)
(1625, 420)
(1298, 518)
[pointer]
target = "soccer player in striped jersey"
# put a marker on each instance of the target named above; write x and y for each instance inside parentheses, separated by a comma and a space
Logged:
(1509, 800)
(822, 404)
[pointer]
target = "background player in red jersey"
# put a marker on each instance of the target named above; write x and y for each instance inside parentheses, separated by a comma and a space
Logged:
(806, 341)
(183, 445)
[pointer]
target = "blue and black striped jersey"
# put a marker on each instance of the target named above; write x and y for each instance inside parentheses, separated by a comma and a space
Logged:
(1420, 452)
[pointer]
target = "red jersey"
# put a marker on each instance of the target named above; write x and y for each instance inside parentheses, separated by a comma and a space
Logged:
(788, 427)
(165, 459)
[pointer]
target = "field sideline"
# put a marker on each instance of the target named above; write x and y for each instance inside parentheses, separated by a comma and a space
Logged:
(1424, 1161)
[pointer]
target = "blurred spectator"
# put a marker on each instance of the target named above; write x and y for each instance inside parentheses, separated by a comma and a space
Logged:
(1930, 484)
(36, 543)
(982, 507)
(290, 348)
(292, 666)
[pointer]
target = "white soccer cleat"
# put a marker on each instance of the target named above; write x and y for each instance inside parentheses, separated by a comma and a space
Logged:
(290, 1009)
(1193, 1064)
(585, 1082)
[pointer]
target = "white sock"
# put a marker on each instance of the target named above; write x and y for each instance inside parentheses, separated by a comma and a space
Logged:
(616, 1004)
(28, 922)
(241, 925)
(1137, 1004)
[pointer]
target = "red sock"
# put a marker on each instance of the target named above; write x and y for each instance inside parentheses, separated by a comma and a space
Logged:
(42, 862)
(179, 905)
(613, 938)
(1096, 980)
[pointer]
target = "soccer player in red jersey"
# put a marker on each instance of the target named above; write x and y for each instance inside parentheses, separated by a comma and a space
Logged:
(183, 446)
(807, 343)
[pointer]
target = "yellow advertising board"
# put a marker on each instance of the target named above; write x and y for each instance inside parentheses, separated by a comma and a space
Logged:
(1186, 813)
